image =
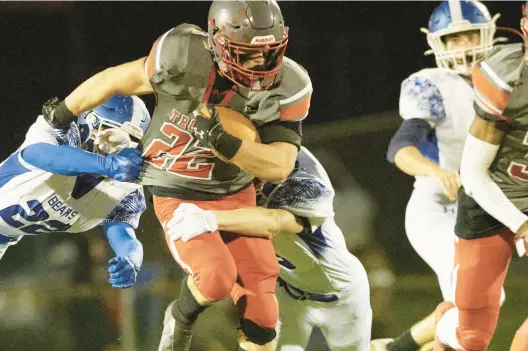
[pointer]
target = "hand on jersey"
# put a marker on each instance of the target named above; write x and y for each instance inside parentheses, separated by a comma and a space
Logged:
(112, 140)
(189, 221)
(123, 272)
(125, 165)
(449, 181)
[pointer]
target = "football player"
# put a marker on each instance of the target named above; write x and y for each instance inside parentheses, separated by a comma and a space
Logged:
(321, 283)
(492, 202)
(436, 105)
(55, 183)
(238, 62)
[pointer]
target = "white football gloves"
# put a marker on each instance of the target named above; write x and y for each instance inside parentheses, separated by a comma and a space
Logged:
(113, 140)
(189, 221)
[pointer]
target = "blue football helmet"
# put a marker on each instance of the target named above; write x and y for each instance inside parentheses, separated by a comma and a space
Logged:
(455, 16)
(127, 113)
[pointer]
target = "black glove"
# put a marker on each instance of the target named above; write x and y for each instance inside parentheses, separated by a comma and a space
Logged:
(211, 134)
(57, 114)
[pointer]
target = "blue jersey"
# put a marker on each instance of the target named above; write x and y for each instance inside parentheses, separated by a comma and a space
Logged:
(317, 259)
(35, 201)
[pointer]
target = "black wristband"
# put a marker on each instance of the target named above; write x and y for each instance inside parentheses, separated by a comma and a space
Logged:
(228, 145)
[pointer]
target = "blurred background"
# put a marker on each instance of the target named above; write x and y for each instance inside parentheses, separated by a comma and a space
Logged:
(53, 290)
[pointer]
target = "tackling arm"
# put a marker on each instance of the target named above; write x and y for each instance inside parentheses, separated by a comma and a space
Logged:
(72, 161)
(479, 152)
(258, 221)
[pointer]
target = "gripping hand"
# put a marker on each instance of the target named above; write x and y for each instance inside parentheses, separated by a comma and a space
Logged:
(125, 165)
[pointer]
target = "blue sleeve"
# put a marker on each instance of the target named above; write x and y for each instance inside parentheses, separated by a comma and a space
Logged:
(129, 210)
(412, 132)
(64, 159)
(122, 239)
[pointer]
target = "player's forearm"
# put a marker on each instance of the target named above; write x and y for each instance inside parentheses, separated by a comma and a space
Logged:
(410, 161)
(123, 241)
(64, 159)
(477, 157)
(273, 162)
(125, 79)
(257, 221)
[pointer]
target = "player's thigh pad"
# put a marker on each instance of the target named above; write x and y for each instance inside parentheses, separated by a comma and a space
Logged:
(480, 269)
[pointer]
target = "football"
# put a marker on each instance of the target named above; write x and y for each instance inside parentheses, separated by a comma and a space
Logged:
(237, 124)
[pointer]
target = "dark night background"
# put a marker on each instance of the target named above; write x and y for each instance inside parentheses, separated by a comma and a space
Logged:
(357, 54)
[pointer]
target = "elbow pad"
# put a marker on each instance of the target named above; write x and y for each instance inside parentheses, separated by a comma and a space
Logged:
(57, 113)
(412, 132)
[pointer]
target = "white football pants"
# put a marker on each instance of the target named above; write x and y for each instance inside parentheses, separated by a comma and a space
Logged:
(430, 227)
(345, 323)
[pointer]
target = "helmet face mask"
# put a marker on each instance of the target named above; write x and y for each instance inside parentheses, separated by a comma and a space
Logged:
(243, 32)
(454, 17)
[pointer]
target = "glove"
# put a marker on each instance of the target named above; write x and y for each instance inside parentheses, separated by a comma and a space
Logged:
(189, 221)
(124, 165)
(211, 134)
(57, 113)
(112, 140)
(123, 272)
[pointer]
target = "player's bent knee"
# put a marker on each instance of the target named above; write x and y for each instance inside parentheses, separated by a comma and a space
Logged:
(263, 310)
(216, 283)
(474, 340)
(257, 334)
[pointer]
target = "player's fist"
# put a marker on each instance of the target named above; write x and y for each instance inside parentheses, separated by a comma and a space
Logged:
(123, 272)
(57, 113)
(449, 181)
(125, 165)
(112, 140)
(189, 221)
(211, 134)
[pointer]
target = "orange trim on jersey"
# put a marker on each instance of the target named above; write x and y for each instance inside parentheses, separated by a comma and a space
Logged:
(297, 111)
(494, 95)
(489, 109)
(151, 60)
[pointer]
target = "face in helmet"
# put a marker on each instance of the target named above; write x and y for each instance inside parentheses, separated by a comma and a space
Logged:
(460, 34)
(248, 40)
(127, 113)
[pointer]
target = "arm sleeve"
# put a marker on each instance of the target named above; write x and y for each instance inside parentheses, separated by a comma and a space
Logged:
(129, 210)
(420, 98)
(304, 196)
(123, 241)
(492, 94)
(63, 159)
(412, 132)
(477, 157)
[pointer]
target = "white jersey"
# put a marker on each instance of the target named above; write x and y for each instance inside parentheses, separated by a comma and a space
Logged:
(315, 260)
(445, 100)
(34, 201)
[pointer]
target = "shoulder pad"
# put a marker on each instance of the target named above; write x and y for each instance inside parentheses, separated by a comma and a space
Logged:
(303, 195)
(170, 53)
